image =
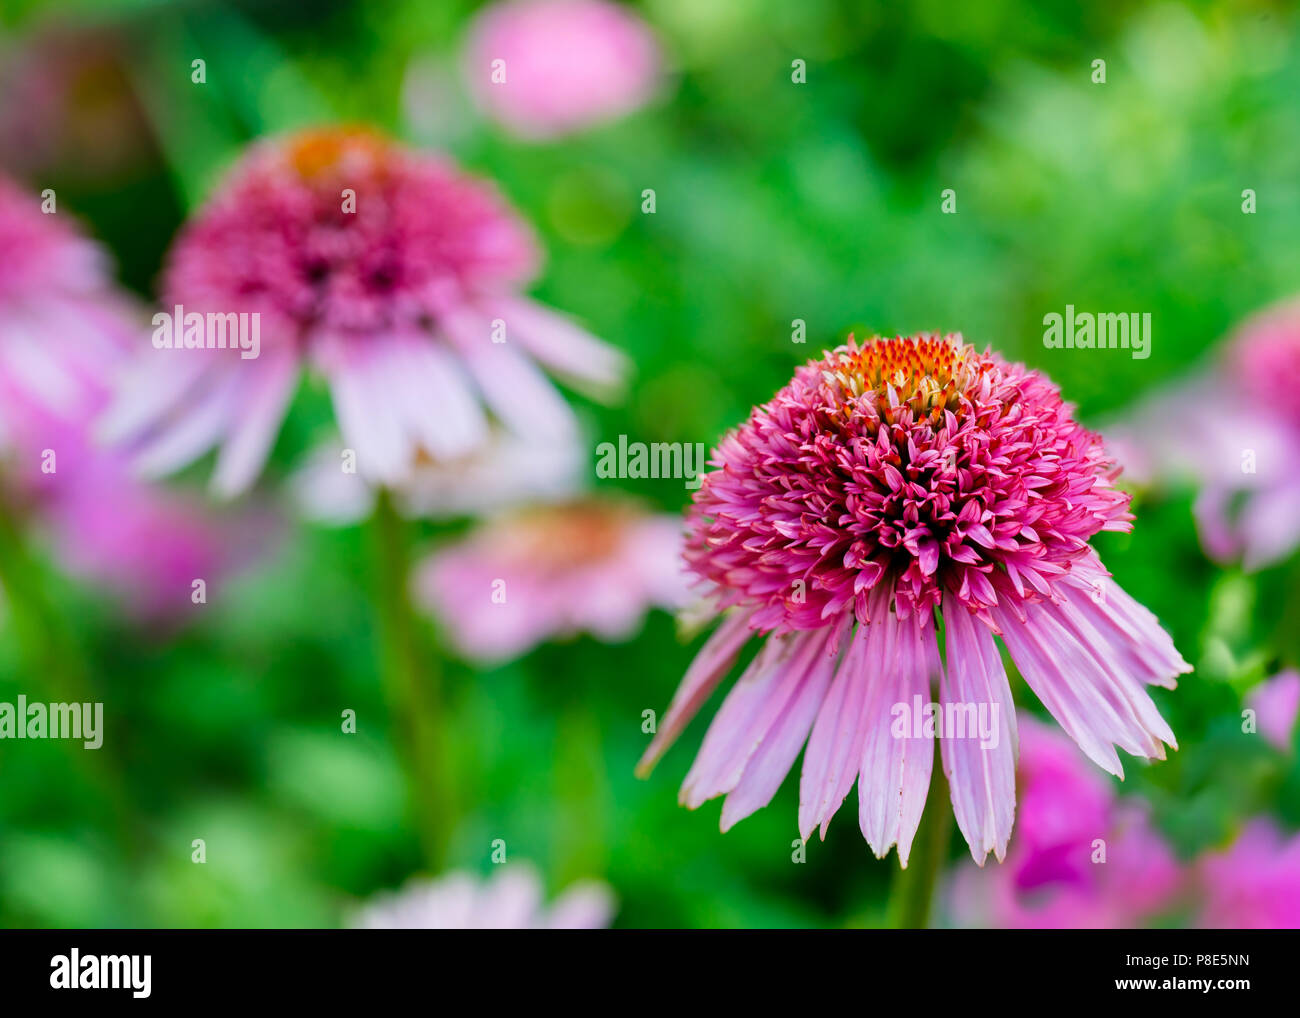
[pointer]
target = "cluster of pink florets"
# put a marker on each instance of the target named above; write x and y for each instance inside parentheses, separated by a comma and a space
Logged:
(45, 253)
(913, 462)
(341, 232)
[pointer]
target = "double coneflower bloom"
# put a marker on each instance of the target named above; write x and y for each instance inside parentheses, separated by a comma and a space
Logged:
(388, 271)
(65, 332)
(892, 488)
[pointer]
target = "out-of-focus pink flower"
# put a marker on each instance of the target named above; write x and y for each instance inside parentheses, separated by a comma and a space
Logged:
(510, 900)
(1050, 879)
(145, 544)
(64, 333)
(552, 572)
(508, 470)
(545, 68)
(1234, 432)
(390, 272)
(66, 101)
(1276, 702)
(63, 328)
(886, 483)
(1255, 884)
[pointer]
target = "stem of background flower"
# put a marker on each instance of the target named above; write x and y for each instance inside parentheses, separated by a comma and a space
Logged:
(49, 654)
(912, 898)
(411, 685)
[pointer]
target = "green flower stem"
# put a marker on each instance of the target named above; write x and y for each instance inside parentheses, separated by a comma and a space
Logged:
(912, 899)
(411, 686)
(50, 659)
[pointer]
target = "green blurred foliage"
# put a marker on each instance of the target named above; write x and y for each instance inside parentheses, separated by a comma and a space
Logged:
(775, 202)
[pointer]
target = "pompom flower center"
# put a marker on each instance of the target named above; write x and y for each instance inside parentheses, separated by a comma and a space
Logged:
(315, 155)
(340, 234)
(925, 373)
(917, 463)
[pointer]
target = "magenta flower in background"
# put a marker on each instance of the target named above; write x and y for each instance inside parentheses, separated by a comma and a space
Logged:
(1051, 878)
(409, 306)
(1255, 884)
(887, 485)
(1276, 702)
(64, 334)
(509, 900)
(552, 572)
(546, 68)
(63, 328)
(1242, 456)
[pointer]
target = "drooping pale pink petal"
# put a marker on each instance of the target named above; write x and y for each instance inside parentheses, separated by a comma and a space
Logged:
(707, 670)
(1122, 626)
(562, 346)
(191, 432)
(784, 738)
(895, 771)
(742, 721)
(368, 421)
(982, 778)
(1062, 674)
(511, 384)
(150, 391)
(253, 433)
(834, 752)
(439, 405)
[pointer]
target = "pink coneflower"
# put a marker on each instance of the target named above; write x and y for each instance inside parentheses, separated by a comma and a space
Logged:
(552, 572)
(1242, 456)
(63, 328)
(1255, 884)
(545, 68)
(1081, 858)
(888, 486)
(510, 900)
(64, 333)
(1276, 703)
(408, 305)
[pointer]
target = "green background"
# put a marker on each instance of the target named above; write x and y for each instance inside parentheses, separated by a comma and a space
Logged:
(775, 201)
